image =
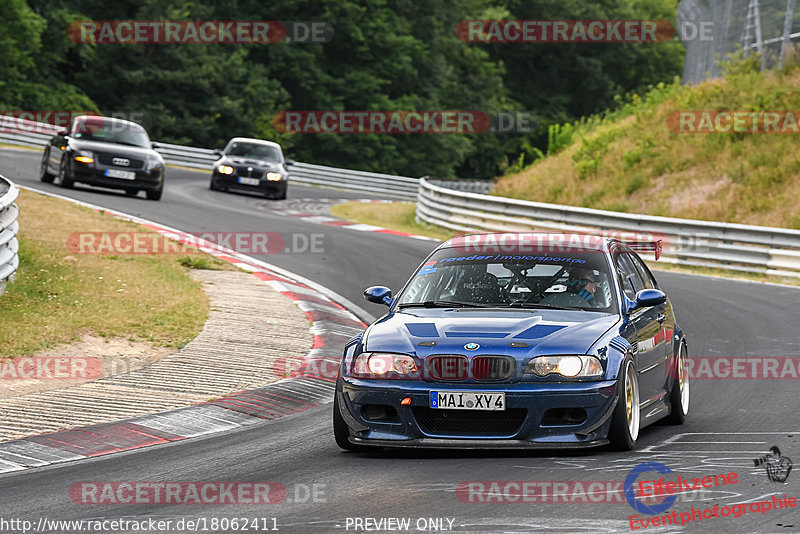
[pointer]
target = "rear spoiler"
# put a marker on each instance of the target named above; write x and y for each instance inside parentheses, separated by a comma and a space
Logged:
(655, 246)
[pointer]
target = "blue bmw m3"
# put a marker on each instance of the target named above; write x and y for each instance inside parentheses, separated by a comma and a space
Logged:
(516, 340)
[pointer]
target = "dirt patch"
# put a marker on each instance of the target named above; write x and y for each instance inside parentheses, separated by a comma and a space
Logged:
(697, 194)
(68, 365)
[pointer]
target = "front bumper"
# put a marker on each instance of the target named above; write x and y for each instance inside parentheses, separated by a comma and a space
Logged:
(95, 175)
(231, 181)
(411, 425)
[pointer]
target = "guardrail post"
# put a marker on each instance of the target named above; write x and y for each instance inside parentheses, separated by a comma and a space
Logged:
(9, 228)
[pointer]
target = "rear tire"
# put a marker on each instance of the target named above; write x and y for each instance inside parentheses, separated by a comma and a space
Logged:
(679, 396)
(44, 174)
(341, 432)
(626, 417)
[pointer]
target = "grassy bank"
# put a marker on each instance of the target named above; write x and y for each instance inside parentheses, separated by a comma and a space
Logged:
(59, 295)
(632, 160)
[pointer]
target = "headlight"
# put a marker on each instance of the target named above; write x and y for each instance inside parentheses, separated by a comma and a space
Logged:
(273, 176)
(154, 164)
(225, 169)
(567, 366)
(84, 156)
(382, 365)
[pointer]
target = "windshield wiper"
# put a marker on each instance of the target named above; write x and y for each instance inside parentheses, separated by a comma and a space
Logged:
(128, 144)
(442, 304)
(533, 305)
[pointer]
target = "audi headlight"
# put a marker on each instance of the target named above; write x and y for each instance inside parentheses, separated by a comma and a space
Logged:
(84, 156)
(225, 169)
(273, 176)
(567, 366)
(383, 365)
(154, 164)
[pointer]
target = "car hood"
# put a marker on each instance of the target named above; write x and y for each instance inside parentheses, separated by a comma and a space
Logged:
(544, 331)
(113, 148)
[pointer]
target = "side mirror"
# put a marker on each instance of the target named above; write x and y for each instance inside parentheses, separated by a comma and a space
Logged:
(288, 162)
(647, 298)
(63, 133)
(217, 152)
(155, 146)
(378, 295)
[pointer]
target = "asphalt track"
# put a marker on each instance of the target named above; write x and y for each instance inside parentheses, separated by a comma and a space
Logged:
(731, 421)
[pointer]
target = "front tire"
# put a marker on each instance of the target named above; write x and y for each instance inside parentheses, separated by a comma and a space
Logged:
(64, 179)
(679, 396)
(626, 417)
(341, 432)
(154, 194)
(44, 173)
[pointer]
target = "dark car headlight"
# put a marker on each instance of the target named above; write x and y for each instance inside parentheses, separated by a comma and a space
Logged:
(154, 164)
(568, 366)
(274, 176)
(225, 169)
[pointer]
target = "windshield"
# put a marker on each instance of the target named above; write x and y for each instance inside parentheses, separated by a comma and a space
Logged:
(109, 131)
(254, 151)
(578, 281)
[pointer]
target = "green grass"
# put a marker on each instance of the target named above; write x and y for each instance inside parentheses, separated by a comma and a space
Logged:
(59, 295)
(629, 159)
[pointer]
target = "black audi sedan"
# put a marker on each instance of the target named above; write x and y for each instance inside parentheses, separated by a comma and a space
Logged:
(251, 165)
(105, 152)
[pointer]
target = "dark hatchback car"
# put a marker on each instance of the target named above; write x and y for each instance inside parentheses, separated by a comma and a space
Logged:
(251, 165)
(105, 152)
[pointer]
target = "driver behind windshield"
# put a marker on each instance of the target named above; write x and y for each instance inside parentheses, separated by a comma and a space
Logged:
(583, 283)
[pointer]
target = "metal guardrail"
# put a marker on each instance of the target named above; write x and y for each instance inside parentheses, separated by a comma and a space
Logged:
(9, 228)
(35, 134)
(737, 247)
(457, 205)
(472, 186)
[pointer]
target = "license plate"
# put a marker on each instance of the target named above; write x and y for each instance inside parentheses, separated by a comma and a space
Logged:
(468, 400)
(249, 181)
(125, 175)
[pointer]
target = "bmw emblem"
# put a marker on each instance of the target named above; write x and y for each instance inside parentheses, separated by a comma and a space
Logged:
(472, 346)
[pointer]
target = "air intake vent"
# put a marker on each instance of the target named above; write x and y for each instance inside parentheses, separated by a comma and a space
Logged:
(446, 367)
(492, 368)
(470, 423)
